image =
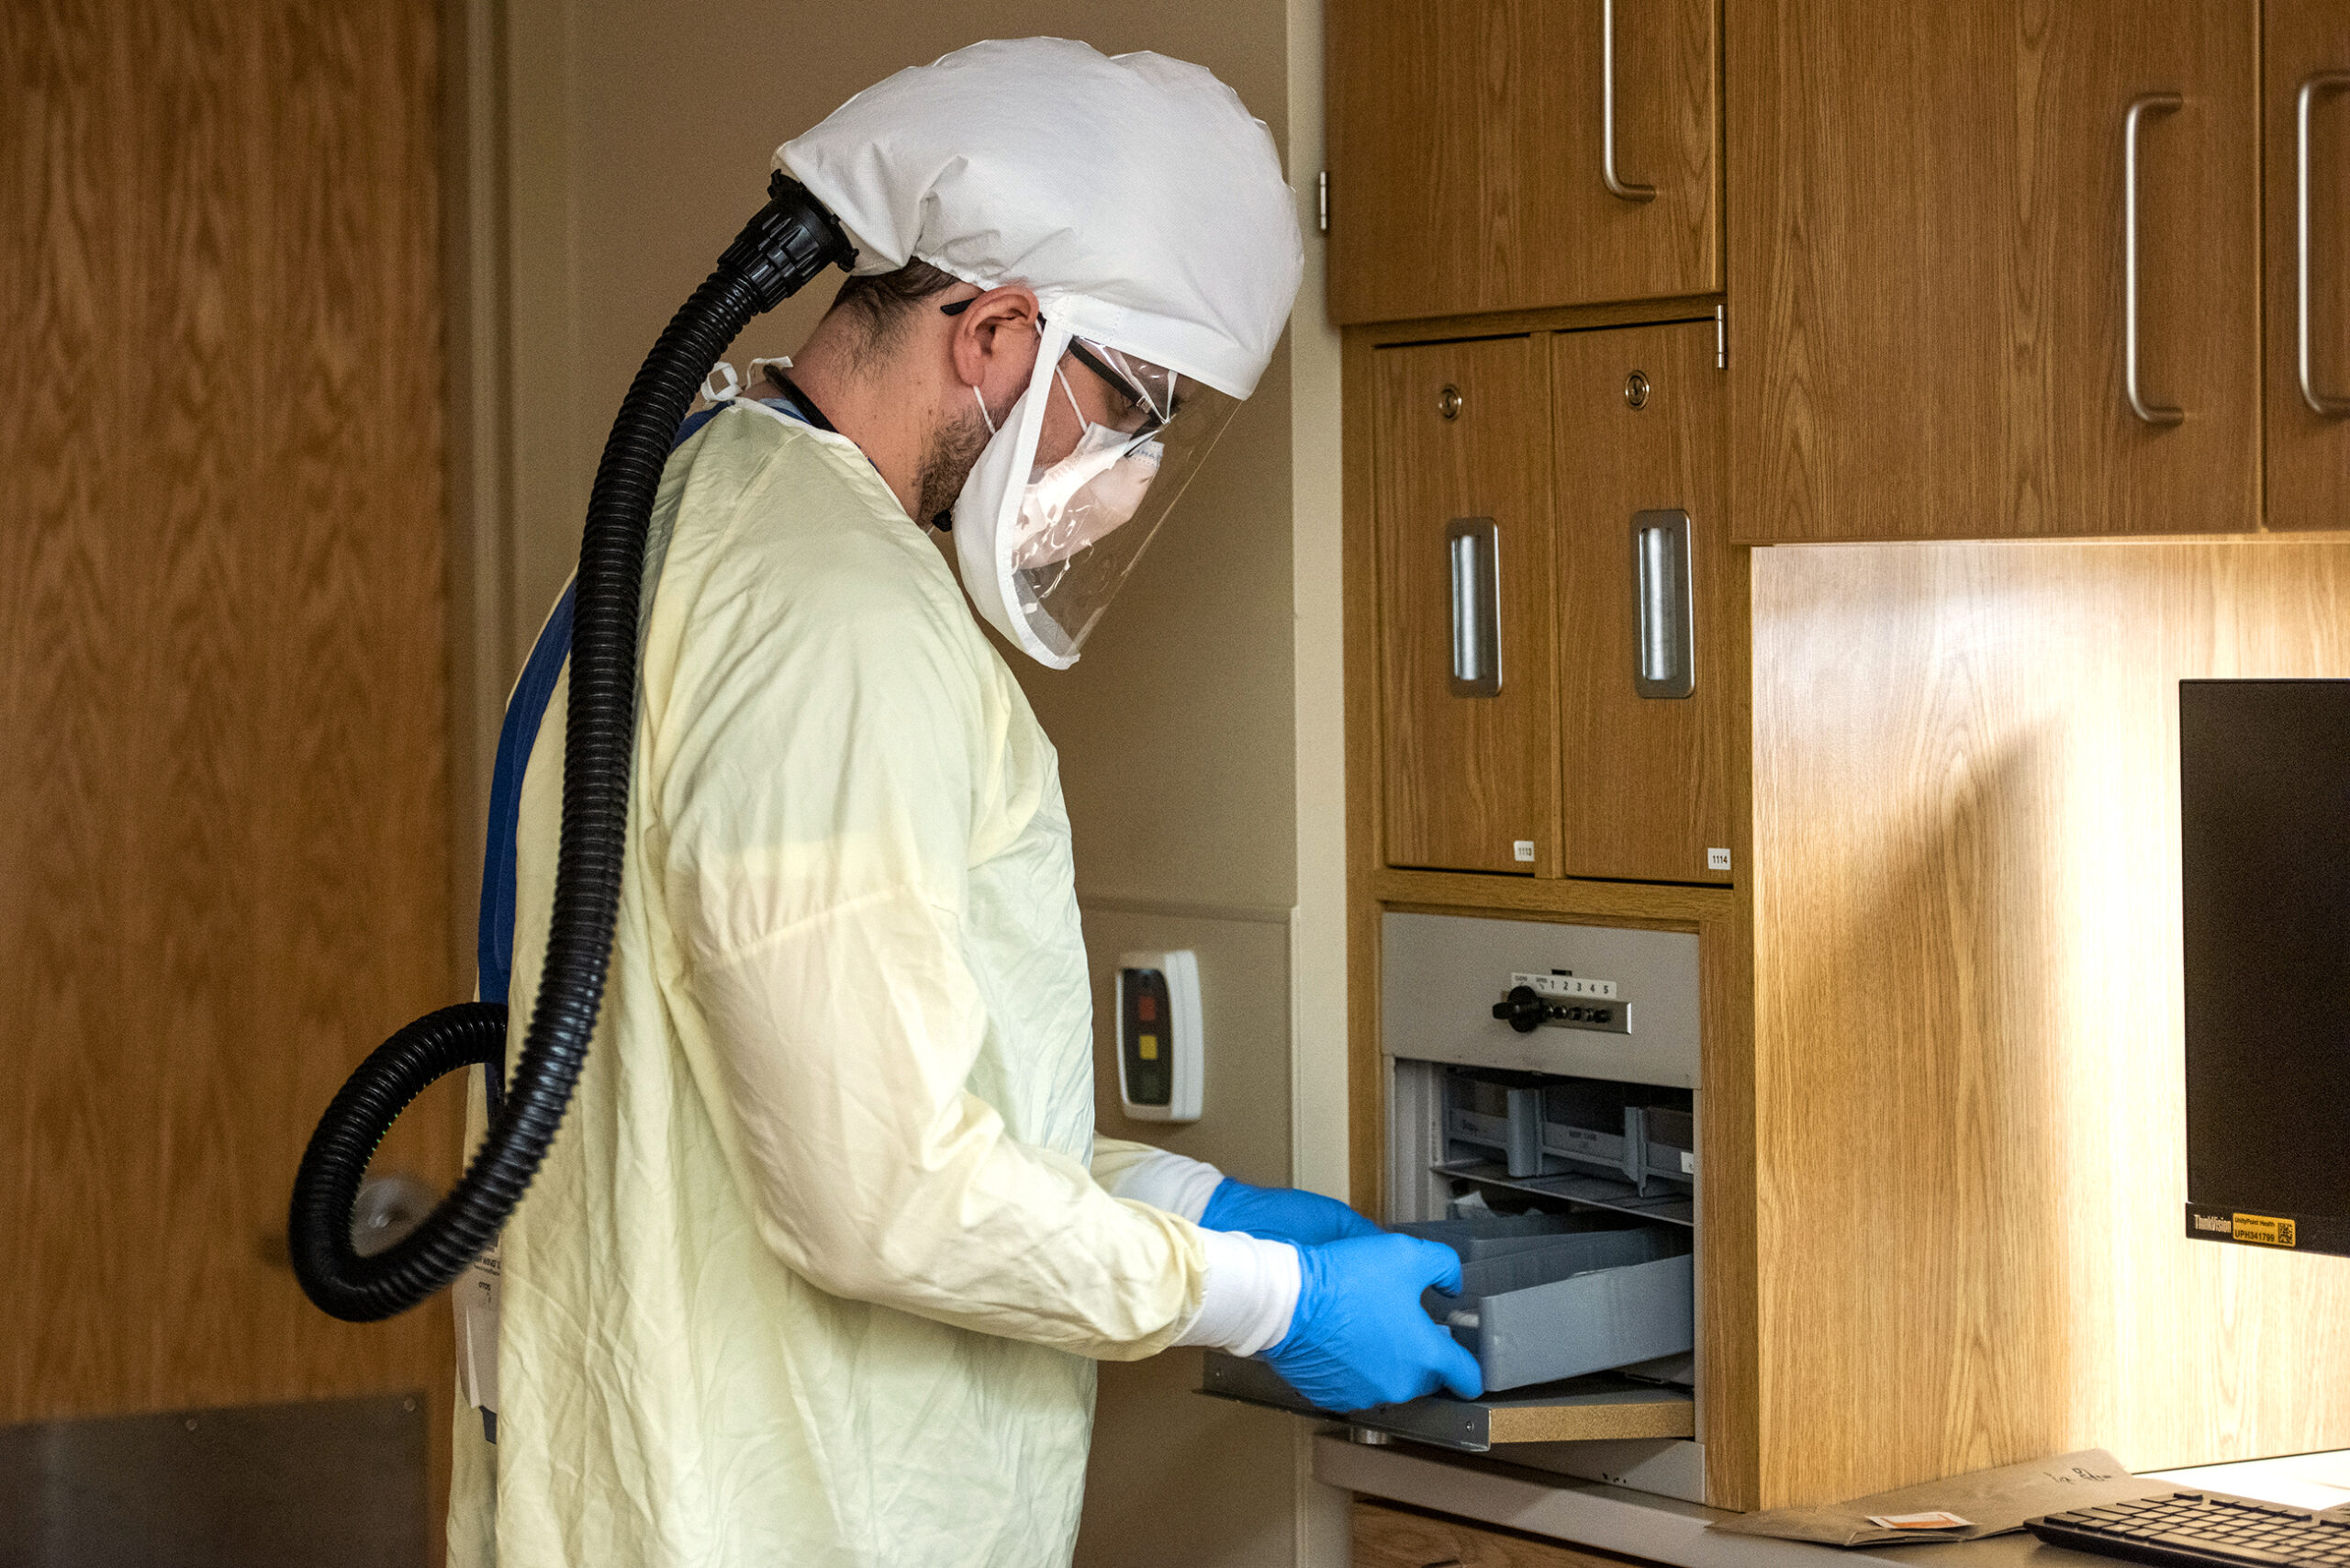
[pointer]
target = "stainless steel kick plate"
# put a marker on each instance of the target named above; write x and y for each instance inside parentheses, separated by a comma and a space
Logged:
(325, 1484)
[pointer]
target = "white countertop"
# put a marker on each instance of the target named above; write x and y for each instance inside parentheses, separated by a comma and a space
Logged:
(2310, 1481)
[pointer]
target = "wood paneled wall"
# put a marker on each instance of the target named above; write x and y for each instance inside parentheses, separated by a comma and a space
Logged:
(1969, 1052)
(223, 795)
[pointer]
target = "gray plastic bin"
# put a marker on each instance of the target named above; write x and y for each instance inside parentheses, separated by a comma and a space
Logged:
(1540, 1304)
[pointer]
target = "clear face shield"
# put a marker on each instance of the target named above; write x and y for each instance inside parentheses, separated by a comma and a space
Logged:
(1109, 444)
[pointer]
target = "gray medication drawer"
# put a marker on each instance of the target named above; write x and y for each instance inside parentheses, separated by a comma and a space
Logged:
(1536, 1307)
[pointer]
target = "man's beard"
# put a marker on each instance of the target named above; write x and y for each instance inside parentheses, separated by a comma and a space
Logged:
(947, 456)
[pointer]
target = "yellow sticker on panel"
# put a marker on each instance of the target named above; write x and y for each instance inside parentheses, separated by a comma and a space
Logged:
(2265, 1230)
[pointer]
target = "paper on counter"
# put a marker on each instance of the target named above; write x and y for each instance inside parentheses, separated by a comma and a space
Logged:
(1988, 1501)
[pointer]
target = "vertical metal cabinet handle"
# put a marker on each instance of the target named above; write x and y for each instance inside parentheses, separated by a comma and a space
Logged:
(2140, 107)
(2315, 88)
(1474, 545)
(1617, 186)
(1665, 662)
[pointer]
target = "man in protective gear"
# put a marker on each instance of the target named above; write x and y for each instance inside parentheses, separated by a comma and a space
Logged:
(818, 1265)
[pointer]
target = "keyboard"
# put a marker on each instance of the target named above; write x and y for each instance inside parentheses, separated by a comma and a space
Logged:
(2202, 1529)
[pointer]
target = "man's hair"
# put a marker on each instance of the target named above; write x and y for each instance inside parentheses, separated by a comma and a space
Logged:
(882, 302)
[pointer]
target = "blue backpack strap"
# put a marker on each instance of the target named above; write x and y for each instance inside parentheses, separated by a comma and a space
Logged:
(494, 938)
(693, 427)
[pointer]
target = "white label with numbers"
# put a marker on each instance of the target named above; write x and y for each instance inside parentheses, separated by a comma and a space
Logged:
(1565, 986)
(1716, 859)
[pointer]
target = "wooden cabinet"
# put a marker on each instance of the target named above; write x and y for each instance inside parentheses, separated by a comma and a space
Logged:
(1590, 464)
(1471, 146)
(1388, 1536)
(2305, 57)
(1460, 436)
(1968, 1025)
(1933, 315)
(1941, 1102)
(1637, 427)
(2007, 272)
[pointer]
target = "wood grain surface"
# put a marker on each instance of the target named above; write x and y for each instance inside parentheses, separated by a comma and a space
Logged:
(1645, 789)
(1366, 746)
(1729, 1353)
(2308, 453)
(1968, 1057)
(223, 822)
(1659, 907)
(1464, 145)
(1466, 779)
(1387, 1537)
(1928, 336)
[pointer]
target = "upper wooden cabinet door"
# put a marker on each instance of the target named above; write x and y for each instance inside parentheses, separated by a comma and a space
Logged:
(1646, 654)
(1469, 154)
(1932, 332)
(1468, 700)
(2306, 71)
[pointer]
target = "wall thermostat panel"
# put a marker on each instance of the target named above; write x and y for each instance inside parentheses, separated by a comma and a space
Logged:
(1158, 1035)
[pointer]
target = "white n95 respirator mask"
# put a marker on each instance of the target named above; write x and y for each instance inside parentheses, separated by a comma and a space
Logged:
(1044, 546)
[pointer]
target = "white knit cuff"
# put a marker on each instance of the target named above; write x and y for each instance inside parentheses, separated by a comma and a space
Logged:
(1250, 1295)
(1170, 1182)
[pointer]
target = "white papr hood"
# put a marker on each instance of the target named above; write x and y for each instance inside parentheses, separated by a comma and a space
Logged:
(1134, 194)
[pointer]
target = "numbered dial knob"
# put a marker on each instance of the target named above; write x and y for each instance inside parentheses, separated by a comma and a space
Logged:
(1523, 1011)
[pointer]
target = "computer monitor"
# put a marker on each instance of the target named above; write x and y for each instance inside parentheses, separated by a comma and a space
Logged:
(2265, 874)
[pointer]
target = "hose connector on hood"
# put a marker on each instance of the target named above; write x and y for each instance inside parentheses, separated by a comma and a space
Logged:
(789, 241)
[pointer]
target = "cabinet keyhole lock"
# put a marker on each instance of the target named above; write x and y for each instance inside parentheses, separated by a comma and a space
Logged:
(1636, 390)
(1448, 402)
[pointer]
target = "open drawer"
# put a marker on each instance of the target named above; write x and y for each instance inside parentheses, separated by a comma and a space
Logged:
(1552, 1296)
(1554, 1307)
(1577, 1410)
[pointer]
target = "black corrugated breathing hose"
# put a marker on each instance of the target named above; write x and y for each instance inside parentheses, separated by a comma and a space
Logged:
(791, 239)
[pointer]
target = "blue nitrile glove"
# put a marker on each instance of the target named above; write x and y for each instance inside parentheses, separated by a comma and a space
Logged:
(1282, 1214)
(1359, 1336)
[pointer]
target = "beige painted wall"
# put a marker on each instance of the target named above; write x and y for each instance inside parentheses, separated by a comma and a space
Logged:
(1178, 1479)
(1198, 738)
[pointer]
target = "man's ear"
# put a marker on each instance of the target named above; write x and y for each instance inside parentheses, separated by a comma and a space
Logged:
(996, 332)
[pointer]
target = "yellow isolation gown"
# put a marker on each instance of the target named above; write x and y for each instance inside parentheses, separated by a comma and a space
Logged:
(817, 1269)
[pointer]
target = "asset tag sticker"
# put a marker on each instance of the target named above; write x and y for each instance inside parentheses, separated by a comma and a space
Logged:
(2265, 1230)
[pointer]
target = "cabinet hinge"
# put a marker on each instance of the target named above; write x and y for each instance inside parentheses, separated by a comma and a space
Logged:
(1322, 199)
(1721, 337)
